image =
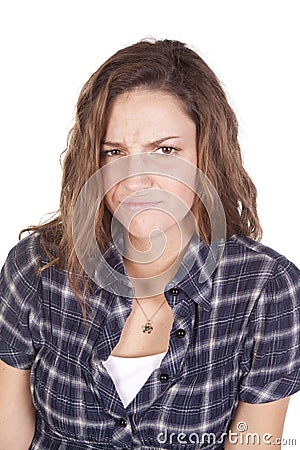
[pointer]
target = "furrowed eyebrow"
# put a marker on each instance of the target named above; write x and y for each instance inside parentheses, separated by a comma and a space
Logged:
(150, 144)
(113, 144)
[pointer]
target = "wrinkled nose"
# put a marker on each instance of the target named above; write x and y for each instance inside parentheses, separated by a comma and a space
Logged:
(135, 174)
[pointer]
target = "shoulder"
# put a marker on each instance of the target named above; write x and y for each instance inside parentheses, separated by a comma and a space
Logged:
(255, 268)
(20, 270)
(274, 278)
(28, 252)
(249, 247)
(257, 254)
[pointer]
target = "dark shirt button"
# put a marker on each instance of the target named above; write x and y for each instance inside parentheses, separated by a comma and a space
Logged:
(180, 333)
(122, 422)
(164, 377)
(174, 291)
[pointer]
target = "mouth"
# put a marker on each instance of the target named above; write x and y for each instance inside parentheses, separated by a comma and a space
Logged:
(134, 205)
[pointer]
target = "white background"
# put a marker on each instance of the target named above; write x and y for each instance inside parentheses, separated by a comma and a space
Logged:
(50, 48)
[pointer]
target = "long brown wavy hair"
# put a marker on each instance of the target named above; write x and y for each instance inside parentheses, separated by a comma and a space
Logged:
(164, 65)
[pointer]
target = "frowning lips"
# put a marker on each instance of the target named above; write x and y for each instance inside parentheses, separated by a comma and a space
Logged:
(137, 203)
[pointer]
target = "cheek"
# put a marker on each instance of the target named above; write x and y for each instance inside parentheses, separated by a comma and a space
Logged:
(109, 200)
(177, 189)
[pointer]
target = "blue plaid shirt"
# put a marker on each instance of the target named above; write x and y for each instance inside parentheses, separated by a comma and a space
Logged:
(234, 337)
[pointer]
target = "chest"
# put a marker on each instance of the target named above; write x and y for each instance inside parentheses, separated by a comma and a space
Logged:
(146, 330)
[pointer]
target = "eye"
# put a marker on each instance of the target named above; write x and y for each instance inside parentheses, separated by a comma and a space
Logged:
(166, 150)
(110, 153)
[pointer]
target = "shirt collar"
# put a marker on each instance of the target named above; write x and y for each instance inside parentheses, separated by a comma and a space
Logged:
(195, 274)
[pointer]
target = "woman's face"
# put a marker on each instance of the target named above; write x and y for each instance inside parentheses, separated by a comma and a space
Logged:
(149, 122)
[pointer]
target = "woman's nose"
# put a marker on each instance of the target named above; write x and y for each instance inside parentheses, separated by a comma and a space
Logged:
(136, 174)
(138, 182)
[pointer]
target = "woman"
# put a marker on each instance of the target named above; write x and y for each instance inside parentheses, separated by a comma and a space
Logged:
(147, 314)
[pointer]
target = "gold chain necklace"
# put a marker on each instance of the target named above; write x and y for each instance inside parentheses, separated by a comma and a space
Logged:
(148, 327)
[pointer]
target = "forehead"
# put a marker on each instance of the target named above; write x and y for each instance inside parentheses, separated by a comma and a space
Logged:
(144, 112)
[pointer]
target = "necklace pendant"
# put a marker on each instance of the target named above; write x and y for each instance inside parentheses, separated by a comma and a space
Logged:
(148, 327)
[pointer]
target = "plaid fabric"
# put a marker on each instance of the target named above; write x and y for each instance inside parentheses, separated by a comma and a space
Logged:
(240, 341)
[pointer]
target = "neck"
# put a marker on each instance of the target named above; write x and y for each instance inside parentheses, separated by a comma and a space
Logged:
(152, 263)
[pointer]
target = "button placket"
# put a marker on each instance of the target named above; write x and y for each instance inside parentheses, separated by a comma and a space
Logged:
(180, 336)
(174, 292)
(122, 433)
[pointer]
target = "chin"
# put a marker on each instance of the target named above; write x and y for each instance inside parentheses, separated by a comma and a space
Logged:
(147, 224)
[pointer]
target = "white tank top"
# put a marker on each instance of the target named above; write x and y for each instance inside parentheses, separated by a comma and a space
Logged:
(130, 374)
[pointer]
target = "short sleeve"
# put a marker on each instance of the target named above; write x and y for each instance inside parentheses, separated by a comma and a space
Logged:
(271, 362)
(20, 305)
